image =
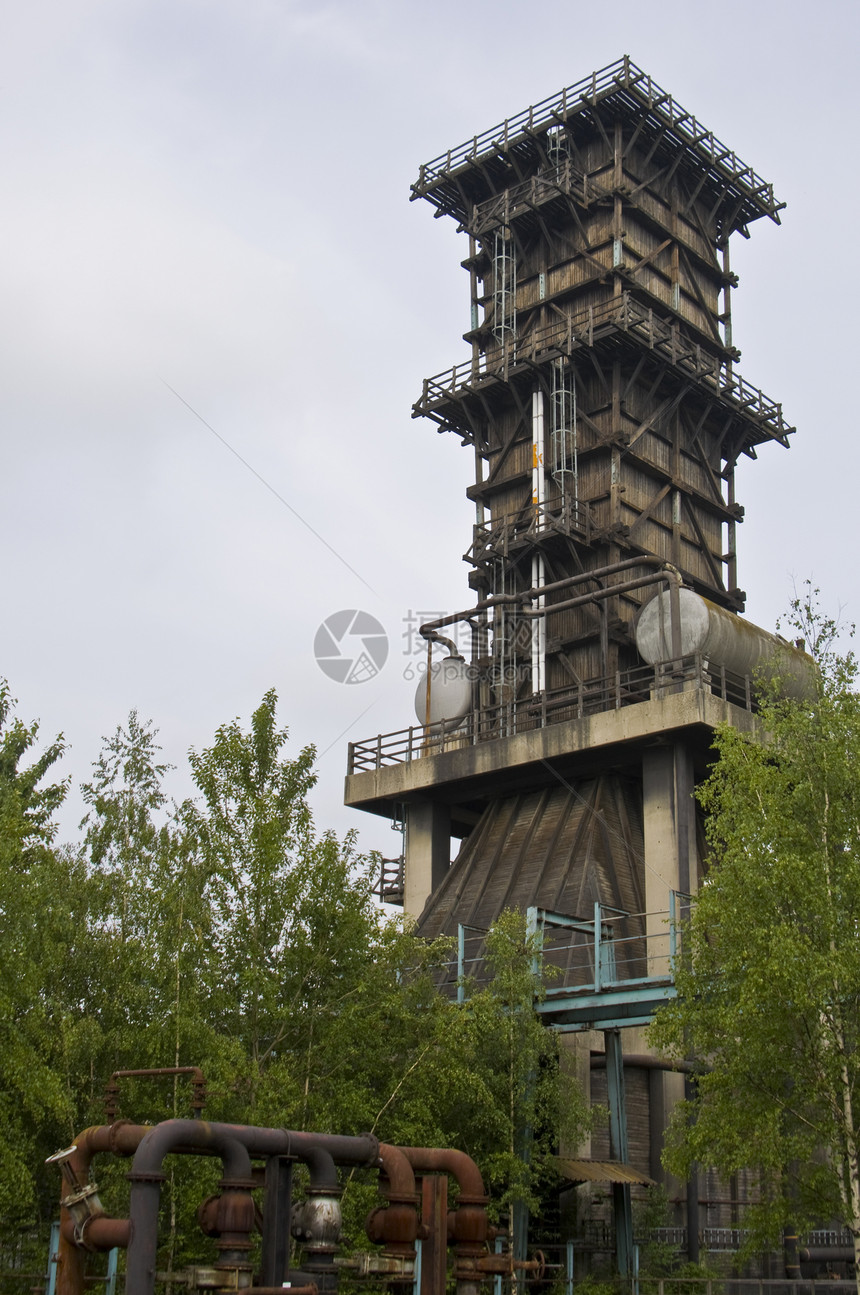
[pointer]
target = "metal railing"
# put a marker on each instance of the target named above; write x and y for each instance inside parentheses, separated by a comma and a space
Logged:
(524, 714)
(614, 950)
(549, 183)
(621, 79)
(564, 516)
(624, 314)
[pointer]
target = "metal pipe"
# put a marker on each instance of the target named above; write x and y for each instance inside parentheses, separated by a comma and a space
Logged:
(538, 644)
(821, 1254)
(146, 1178)
(468, 1225)
(597, 595)
(121, 1138)
(395, 1226)
(449, 1161)
(198, 1084)
(320, 1151)
(317, 1222)
(599, 573)
(453, 650)
(643, 1061)
(397, 1169)
(312, 1289)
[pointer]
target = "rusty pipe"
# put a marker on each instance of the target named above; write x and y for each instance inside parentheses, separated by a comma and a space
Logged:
(198, 1085)
(103, 1233)
(121, 1138)
(664, 569)
(397, 1169)
(146, 1178)
(395, 1226)
(596, 595)
(467, 1224)
(363, 1149)
(312, 1289)
(449, 1161)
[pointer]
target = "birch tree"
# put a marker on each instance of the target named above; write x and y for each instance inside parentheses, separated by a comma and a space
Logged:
(769, 988)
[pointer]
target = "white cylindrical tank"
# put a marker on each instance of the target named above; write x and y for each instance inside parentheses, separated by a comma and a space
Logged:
(450, 693)
(721, 639)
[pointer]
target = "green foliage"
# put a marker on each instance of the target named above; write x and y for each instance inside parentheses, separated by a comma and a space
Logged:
(656, 1258)
(39, 909)
(227, 933)
(526, 1104)
(769, 986)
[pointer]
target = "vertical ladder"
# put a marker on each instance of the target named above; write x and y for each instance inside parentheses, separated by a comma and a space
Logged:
(565, 446)
(557, 148)
(504, 289)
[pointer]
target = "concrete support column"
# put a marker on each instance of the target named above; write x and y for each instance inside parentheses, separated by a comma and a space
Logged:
(671, 857)
(428, 852)
(619, 1150)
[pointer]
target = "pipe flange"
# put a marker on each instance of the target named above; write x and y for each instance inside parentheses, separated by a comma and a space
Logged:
(80, 1234)
(145, 1176)
(113, 1132)
(238, 1184)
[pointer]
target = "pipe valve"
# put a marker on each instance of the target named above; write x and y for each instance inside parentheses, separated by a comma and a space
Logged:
(82, 1200)
(316, 1222)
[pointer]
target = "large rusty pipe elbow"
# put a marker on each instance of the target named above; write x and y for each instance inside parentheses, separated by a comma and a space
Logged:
(123, 1139)
(146, 1178)
(395, 1226)
(397, 1169)
(322, 1169)
(447, 1160)
(468, 1226)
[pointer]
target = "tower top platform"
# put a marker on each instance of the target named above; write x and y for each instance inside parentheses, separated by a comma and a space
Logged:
(664, 131)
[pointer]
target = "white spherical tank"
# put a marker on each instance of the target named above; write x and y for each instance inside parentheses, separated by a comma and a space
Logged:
(450, 693)
(720, 638)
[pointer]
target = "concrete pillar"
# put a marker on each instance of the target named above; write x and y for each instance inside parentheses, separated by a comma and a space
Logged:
(671, 858)
(619, 1150)
(428, 852)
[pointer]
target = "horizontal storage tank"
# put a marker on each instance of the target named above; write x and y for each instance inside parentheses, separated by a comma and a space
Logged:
(721, 639)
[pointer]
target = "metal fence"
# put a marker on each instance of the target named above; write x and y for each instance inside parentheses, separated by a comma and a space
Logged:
(524, 714)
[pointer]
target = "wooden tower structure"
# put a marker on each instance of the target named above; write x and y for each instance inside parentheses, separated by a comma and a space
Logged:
(601, 395)
(602, 400)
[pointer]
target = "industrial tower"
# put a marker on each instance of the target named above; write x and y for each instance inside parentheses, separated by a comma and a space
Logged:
(606, 414)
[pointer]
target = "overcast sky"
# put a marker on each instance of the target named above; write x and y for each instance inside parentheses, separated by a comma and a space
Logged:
(205, 220)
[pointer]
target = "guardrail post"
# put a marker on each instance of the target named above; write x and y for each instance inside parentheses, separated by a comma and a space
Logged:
(350, 758)
(534, 934)
(379, 751)
(409, 751)
(461, 962)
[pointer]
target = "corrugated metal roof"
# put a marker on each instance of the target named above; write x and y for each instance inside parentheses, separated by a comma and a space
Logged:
(602, 1171)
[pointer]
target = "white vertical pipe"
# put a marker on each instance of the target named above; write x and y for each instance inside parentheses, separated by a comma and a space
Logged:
(538, 572)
